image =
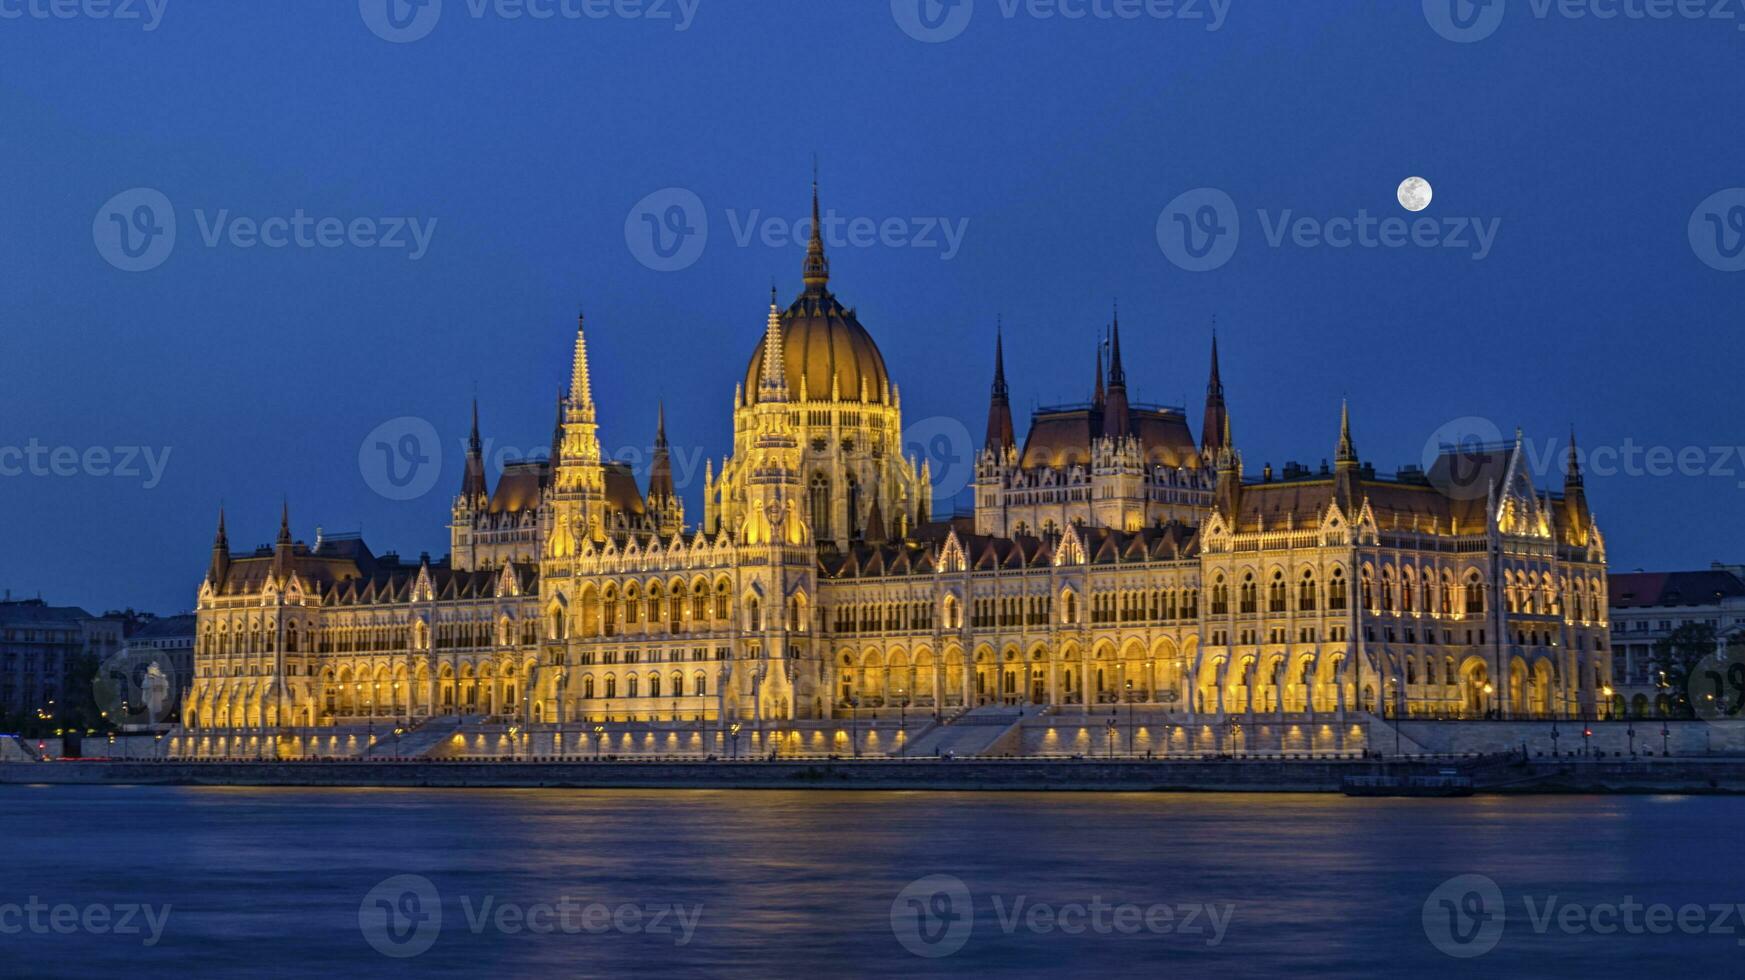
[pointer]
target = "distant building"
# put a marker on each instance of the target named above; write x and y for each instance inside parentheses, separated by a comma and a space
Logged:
(38, 646)
(1646, 607)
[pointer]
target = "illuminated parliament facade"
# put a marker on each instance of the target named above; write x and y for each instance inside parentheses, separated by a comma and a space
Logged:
(1112, 559)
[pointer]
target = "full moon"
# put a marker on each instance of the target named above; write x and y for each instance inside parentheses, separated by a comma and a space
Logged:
(1414, 193)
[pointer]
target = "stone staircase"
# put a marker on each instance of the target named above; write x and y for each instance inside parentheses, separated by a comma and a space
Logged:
(419, 741)
(15, 749)
(979, 731)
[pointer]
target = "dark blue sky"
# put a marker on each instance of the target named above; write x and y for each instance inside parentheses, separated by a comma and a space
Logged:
(529, 141)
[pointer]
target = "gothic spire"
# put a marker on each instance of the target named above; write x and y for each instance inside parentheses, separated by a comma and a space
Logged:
(1215, 425)
(220, 552)
(1572, 468)
(660, 472)
(1000, 435)
(581, 389)
(817, 268)
(1115, 419)
(1347, 452)
(472, 487)
(772, 384)
(284, 523)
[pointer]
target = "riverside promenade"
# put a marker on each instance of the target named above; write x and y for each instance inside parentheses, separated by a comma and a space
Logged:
(1492, 774)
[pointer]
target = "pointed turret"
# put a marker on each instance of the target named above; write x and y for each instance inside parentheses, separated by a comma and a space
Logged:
(284, 539)
(220, 553)
(1116, 422)
(581, 388)
(816, 272)
(875, 525)
(660, 472)
(1227, 495)
(1575, 519)
(473, 487)
(1345, 466)
(1215, 427)
(772, 384)
(1000, 434)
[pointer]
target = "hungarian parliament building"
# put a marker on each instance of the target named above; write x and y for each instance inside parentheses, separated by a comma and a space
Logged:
(1111, 560)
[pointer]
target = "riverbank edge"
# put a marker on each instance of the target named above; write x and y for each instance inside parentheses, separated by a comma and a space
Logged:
(1305, 776)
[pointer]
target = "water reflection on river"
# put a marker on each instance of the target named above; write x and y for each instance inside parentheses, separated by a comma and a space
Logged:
(270, 882)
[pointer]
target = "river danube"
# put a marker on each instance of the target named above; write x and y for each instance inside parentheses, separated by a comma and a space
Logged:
(151, 881)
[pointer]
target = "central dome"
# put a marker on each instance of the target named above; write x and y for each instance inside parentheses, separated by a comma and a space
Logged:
(823, 345)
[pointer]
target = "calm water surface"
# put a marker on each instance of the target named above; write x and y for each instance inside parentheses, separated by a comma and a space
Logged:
(270, 882)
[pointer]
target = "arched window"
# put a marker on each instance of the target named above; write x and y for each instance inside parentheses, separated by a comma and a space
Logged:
(587, 687)
(1306, 593)
(1474, 595)
(818, 498)
(1250, 594)
(630, 686)
(721, 603)
(654, 686)
(1336, 590)
(1275, 593)
(611, 687)
(1220, 597)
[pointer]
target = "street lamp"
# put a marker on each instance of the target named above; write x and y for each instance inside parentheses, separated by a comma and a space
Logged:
(1488, 690)
(733, 730)
(1554, 737)
(1129, 687)
(1630, 730)
(1607, 692)
(599, 742)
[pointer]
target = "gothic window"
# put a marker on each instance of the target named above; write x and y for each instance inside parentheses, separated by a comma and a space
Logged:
(630, 686)
(611, 687)
(819, 499)
(1220, 598)
(1249, 594)
(587, 687)
(1336, 590)
(654, 685)
(1306, 593)
(1275, 593)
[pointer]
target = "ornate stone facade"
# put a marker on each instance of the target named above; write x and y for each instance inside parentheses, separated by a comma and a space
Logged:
(1110, 560)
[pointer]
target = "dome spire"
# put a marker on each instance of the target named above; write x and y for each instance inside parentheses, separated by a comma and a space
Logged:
(1000, 435)
(772, 385)
(817, 269)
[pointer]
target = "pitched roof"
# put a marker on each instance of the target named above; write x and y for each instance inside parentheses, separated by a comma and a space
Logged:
(1634, 590)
